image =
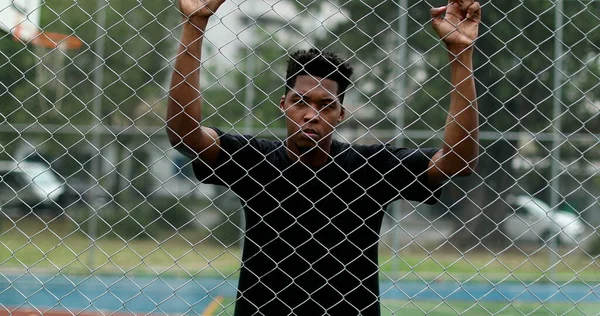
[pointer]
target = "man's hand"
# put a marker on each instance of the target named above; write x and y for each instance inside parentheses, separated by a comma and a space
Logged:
(199, 8)
(460, 26)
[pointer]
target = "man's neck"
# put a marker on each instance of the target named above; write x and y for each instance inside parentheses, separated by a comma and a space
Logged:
(315, 157)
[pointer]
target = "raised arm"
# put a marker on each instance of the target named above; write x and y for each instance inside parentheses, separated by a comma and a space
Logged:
(458, 29)
(184, 106)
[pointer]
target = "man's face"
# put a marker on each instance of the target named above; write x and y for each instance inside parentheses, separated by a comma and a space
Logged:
(312, 111)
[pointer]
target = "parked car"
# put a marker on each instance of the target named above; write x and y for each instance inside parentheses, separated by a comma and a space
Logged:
(27, 186)
(534, 220)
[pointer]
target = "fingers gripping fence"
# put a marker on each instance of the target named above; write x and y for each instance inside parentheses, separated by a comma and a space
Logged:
(114, 200)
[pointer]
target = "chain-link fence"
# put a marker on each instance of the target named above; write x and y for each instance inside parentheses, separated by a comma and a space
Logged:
(110, 206)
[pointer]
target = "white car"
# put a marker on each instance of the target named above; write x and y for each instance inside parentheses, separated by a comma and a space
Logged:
(28, 185)
(534, 220)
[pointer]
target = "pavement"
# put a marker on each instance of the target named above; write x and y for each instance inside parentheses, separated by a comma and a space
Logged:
(140, 295)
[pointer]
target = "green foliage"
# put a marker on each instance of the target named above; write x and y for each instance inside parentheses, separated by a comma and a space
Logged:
(42, 87)
(156, 218)
(514, 63)
(228, 233)
(593, 249)
(226, 98)
(52, 90)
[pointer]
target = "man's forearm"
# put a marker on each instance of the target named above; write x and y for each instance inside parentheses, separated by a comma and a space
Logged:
(461, 136)
(184, 107)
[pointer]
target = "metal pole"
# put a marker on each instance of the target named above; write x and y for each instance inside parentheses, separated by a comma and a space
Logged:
(250, 68)
(399, 88)
(557, 113)
(249, 95)
(248, 103)
(97, 78)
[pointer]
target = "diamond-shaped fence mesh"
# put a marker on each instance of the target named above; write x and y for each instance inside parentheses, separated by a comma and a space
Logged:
(434, 178)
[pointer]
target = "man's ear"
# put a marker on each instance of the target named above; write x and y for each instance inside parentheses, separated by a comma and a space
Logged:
(342, 114)
(282, 103)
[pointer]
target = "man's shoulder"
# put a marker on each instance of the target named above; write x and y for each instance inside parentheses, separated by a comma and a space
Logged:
(265, 145)
(260, 143)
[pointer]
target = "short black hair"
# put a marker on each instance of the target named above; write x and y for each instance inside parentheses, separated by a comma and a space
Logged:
(326, 65)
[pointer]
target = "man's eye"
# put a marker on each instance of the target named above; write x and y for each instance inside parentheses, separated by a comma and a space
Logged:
(300, 102)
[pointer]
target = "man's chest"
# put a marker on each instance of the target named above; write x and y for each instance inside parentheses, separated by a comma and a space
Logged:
(312, 211)
(284, 195)
(284, 182)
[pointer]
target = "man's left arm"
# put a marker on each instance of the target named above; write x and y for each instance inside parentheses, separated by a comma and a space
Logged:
(458, 29)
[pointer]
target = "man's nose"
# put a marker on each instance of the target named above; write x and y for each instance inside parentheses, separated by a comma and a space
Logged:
(311, 113)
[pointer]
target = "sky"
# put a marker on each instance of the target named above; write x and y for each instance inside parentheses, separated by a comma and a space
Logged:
(27, 17)
(228, 32)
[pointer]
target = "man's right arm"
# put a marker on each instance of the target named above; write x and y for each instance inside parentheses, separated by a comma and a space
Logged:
(184, 106)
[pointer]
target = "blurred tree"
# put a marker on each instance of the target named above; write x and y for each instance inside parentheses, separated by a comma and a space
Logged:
(514, 71)
(54, 90)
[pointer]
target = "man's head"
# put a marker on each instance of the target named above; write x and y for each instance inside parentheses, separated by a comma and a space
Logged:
(315, 86)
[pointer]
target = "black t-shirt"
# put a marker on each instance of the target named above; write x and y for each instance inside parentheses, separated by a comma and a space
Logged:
(312, 234)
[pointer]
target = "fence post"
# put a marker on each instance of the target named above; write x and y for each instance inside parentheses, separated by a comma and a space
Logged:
(556, 115)
(399, 138)
(96, 132)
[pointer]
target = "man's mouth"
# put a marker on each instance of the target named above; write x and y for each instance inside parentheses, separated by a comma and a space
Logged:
(310, 133)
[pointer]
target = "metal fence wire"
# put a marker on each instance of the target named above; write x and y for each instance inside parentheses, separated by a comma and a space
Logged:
(114, 201)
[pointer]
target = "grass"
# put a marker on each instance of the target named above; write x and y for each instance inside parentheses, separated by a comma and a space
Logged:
(447, 263)
(476, 309)
(60, 246)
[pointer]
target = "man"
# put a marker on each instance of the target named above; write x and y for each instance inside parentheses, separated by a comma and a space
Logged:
(313, 205)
